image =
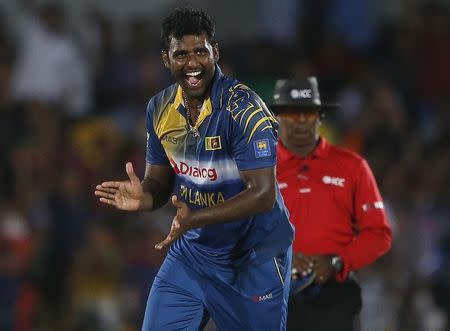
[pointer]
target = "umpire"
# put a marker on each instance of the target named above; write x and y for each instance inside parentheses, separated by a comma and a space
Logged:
(337, 210)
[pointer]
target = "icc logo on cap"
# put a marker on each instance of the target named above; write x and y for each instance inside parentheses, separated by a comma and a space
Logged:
(301, 94)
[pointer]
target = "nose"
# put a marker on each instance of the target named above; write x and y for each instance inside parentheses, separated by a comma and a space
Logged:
(192, 61)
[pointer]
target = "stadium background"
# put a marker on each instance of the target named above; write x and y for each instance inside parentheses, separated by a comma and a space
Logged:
(72, 105)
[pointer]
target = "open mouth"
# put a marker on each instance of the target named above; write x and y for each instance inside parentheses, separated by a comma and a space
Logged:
(194, 78)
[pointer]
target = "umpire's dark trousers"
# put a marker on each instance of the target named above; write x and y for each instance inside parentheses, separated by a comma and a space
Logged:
(335, 307)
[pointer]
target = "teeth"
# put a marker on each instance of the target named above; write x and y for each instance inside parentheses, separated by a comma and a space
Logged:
(195, 73)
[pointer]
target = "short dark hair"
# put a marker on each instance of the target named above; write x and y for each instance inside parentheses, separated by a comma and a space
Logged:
(186, 21)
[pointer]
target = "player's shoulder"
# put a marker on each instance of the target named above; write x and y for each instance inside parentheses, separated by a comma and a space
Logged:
(241, 94)
(158, 102)
(241, 102)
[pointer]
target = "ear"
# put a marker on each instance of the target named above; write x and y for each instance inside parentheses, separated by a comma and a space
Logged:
(216, 52)
(165, 59)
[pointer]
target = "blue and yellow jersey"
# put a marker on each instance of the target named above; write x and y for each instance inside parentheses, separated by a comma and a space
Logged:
(236, 131)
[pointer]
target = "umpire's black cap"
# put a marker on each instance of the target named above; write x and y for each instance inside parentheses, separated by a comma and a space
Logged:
(302, 94)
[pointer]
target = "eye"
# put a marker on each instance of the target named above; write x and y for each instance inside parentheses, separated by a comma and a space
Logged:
(202, 52)
(179, 56)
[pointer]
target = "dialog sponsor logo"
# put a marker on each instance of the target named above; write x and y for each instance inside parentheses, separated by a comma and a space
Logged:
(197, 172)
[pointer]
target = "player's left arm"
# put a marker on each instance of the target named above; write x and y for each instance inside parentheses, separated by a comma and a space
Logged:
(258, 197)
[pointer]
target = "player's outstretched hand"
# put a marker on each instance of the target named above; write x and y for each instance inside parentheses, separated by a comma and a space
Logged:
(180, 223)
(125, 195)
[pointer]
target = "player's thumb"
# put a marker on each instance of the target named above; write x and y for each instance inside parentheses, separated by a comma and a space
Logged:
(177, 203)
(131, 174)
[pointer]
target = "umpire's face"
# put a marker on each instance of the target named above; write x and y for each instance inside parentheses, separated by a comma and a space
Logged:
(191, 61)
(299, 127)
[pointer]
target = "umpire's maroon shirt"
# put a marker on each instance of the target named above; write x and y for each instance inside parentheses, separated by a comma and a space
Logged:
(335, 205)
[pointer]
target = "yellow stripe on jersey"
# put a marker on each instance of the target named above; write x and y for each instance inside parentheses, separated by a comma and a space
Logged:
(240, 112)
(255, 127)
(244, 88)
(171, 120)
(178, 97)
(236, 96)
(251, 105)
(206, 111)
(259, 110)
(267, 111)
(243, 106)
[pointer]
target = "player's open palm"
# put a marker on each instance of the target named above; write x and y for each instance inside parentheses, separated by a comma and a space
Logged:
(125, 195)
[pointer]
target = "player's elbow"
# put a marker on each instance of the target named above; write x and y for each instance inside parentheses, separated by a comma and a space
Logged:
(266, 200)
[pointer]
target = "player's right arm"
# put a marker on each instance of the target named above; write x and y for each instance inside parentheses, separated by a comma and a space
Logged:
(132, 194)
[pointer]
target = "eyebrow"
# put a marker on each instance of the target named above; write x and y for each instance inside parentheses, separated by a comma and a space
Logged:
(180, 51)
(201, 48)
(184, 51)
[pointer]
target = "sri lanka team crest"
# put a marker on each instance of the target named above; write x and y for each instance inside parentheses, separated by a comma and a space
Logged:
(262, 147)
(213, 143)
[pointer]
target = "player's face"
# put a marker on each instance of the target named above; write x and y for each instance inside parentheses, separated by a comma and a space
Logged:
(191, 61)
(299, 129)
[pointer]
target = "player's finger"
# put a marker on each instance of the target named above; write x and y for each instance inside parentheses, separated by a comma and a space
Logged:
(104, 195)
(177, 203)
(173, 234)
(105, 189)
(110, 184)
(108, 201)
(131, 173)
(165, 242)
(104, 192)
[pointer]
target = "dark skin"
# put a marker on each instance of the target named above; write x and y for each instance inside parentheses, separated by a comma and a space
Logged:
(299, 132)
(195, 55)
(185, 58)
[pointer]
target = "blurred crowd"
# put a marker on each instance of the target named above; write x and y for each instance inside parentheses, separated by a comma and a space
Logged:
(72, 112)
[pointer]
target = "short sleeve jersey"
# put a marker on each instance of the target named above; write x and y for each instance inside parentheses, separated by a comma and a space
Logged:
(236, 131)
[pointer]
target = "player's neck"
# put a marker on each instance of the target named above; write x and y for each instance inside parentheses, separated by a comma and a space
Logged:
(193, 103)
(193, 107)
